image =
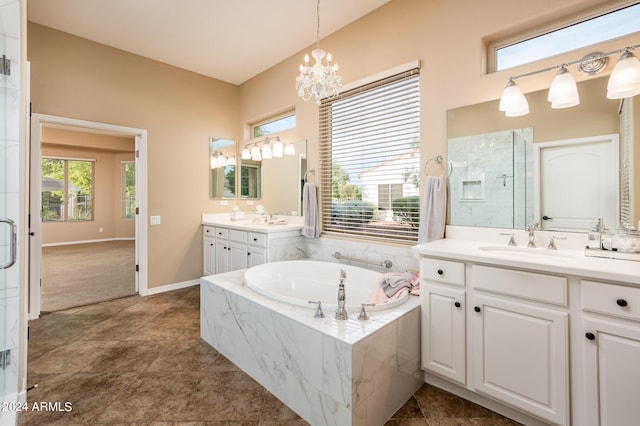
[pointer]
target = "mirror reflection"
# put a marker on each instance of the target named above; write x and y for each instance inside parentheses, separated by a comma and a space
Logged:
(586, 150)
(275, 177)
(222, 165)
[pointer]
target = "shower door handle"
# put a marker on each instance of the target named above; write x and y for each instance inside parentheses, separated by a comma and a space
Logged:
(12, 243)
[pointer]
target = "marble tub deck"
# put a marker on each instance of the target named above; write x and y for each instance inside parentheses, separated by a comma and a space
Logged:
(329, 372)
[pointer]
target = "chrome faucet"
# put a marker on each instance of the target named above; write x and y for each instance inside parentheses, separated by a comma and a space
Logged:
(341, 313)
(531, 228)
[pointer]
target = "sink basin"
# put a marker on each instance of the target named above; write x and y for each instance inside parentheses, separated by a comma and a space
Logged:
(529, 251)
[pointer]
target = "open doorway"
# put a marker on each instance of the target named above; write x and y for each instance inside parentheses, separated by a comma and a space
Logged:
(88, 193)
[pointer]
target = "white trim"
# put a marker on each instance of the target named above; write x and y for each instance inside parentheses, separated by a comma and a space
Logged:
(170, 287)
(102, 240)
(35, 243)
(382, 74)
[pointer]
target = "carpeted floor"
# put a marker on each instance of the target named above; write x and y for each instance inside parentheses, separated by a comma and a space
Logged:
(82, 274)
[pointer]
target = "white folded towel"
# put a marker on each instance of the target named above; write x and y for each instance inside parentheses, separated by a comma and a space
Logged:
(433, 209)
(310, 211)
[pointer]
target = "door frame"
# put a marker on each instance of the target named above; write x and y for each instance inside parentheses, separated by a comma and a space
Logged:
(613, 140)
(38, 121)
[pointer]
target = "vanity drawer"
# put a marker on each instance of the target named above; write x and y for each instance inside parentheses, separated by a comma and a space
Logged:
(222, 233)
(527, 285)
(611, 299)
(257, 239)
(208, 231)
(237, 236)
(442, 271)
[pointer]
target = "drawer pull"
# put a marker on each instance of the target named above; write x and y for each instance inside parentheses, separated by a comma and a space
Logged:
(590, 336)
(440, 272)
(457, 304)
(621, 302)
(476, 308)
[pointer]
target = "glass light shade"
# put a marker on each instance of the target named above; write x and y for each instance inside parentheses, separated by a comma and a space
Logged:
(266, 150)
(624, 81)
(563, 92)
(231, 160)
(255, 153)
(245, 155)
(212, 162)
(513, 102)
(289, 149)
(278, 148)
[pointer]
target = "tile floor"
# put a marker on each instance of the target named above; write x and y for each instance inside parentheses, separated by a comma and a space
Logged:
(140, 361)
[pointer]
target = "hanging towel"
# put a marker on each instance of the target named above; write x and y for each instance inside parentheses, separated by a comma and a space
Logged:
(433, 209)
(310, 210)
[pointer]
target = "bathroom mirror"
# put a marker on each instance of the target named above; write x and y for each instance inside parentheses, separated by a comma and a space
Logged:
(596, 118)
(222, 168)
(276, 181)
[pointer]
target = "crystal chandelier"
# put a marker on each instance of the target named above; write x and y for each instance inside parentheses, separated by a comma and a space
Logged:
(319, 81)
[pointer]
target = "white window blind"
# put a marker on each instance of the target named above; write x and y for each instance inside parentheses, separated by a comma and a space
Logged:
(370, 163)
(626, 154)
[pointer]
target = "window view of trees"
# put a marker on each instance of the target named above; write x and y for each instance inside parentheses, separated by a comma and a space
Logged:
(67, 190)
(129, 190)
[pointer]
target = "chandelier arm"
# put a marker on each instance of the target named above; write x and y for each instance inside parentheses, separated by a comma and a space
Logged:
(318, 25)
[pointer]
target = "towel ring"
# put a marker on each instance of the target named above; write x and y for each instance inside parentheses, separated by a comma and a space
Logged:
(438, 160)
(312, 172)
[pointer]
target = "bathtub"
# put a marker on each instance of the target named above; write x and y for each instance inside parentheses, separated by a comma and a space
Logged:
(331, 372)
(299, 281)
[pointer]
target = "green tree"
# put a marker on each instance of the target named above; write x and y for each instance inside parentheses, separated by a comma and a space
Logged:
(341, 189)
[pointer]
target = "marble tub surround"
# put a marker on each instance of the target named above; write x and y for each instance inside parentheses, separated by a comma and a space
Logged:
(330, 372)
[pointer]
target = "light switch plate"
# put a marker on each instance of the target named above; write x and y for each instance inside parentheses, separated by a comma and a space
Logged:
(155, 220)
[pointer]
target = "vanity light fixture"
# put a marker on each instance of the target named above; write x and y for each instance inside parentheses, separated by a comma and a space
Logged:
(246, 154)
(219, 160)
(289, 149)
(563, 92)
(266, 150)
(277, 149)
(624, 82)
(318, 81)
(255, 153)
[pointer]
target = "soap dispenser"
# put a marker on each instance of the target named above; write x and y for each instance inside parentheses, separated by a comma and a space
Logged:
(595, 235)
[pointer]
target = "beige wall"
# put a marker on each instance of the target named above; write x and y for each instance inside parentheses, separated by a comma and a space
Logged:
(76, 78)
(108, 153)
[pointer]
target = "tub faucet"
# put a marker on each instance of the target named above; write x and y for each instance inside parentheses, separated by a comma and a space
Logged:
(531, 228)
(341, 313)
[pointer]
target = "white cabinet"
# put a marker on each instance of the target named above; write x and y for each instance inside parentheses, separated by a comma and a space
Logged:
(443, 318)
(209, 250)
(256, 249)
(443, 331)
(231, 250)
(521, 355)
(611, 354)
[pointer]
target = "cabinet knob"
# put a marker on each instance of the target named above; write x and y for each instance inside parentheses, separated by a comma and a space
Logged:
(476, 308)
(255, 239)
(456, 304)
(621, 302)
(440, 272)
(590, 336)
(248, 254)
(211, 244)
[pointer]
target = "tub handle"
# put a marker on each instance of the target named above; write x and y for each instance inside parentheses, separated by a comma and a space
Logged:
(363, 313)
(319, 313)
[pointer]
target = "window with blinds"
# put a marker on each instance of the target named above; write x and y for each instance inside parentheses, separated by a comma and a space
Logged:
(370, 163)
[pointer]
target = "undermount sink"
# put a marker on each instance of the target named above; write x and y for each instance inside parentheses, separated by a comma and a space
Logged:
(529, 251)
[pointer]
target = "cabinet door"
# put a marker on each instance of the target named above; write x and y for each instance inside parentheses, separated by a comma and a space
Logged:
(521, 356)
(612, 372)
(222, 256)
(256, 256)
(443, 332)
(209, 251)
(237, 256)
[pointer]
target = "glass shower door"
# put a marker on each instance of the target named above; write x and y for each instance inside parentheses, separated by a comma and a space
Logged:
(10, 110)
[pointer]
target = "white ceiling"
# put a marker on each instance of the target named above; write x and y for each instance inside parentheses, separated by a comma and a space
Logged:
(231, 40)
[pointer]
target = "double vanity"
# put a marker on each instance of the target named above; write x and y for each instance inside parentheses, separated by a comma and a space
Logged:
(543, 336)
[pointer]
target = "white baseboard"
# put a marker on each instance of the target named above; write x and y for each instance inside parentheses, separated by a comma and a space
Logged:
(169, 287)
(69, 243)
